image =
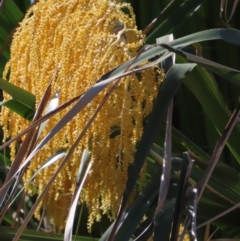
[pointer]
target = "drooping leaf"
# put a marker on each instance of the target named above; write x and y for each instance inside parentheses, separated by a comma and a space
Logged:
(21, 109)
(173, 22)
(84, 169)
(163, 222)
(18, 94)
(166, 92)
(133, 217)
(7, 234)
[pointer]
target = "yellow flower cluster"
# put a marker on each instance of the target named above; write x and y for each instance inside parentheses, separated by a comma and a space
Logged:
(82, 39)
(186, 236)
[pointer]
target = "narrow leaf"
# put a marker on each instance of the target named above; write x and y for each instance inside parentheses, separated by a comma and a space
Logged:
(85, 166)
(166, 92)
(18, 107)
(132, 218)
(55, 157)
(18, 94)
(183, 185)
(174, 21)
(218, 150)
(53, 104)
(163, 222)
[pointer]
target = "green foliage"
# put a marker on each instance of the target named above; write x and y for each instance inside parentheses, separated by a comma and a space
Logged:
(205, 115)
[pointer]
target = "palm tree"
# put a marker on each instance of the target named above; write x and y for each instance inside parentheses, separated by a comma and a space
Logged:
(194, 116)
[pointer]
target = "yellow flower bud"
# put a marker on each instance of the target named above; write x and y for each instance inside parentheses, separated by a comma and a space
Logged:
(84, 39)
